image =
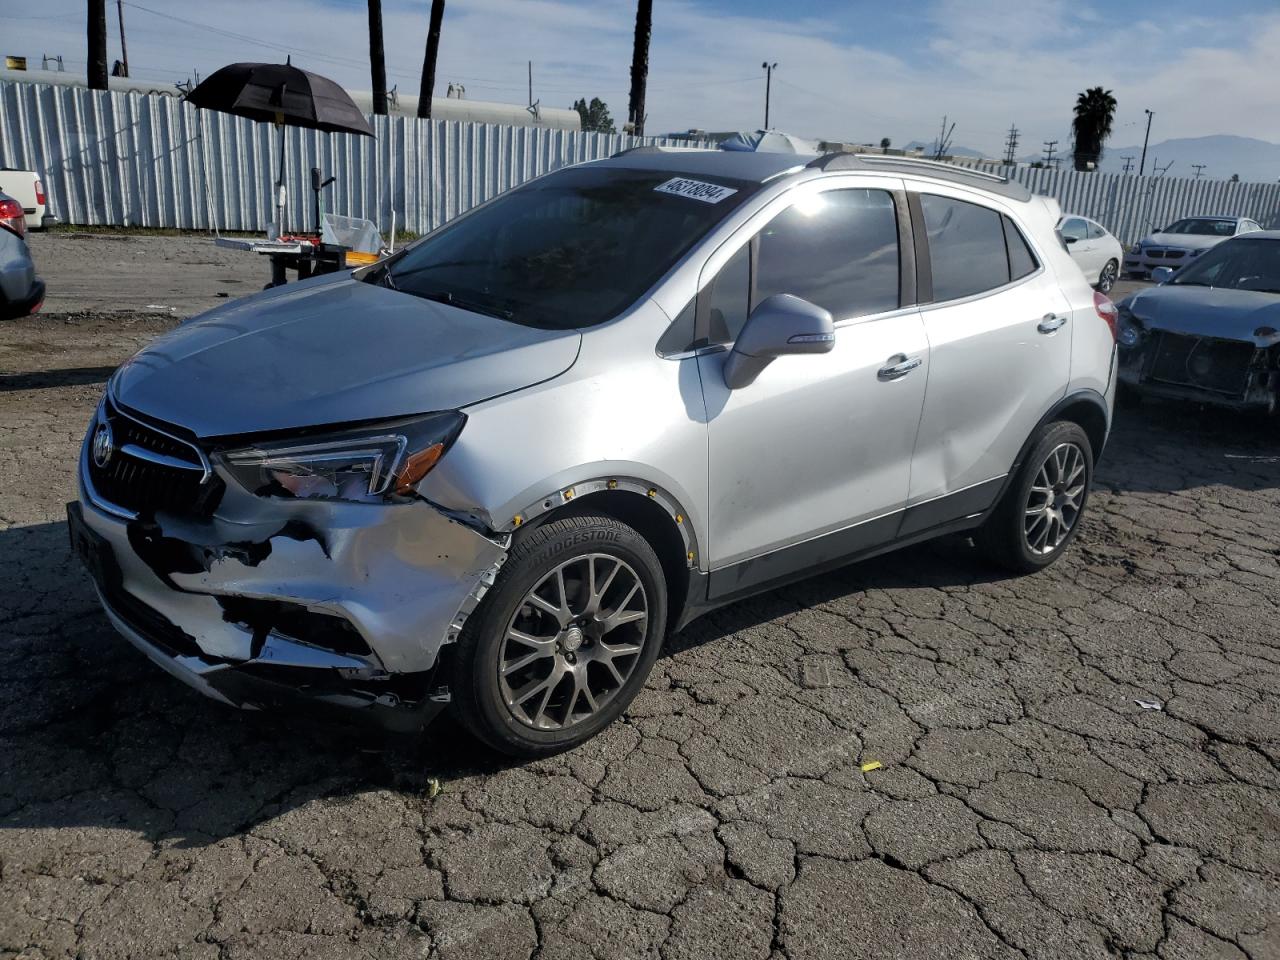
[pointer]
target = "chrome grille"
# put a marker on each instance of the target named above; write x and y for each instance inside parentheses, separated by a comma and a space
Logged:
(151, 469)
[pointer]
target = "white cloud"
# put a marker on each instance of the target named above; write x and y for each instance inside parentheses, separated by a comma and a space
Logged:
(985, 63)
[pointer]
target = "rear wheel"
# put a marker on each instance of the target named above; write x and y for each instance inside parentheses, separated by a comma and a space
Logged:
(1107, 279)
(1040, 512)
(564, 640)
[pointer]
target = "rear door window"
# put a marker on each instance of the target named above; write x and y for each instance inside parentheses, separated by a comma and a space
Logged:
(967, 249)
(1095, 231)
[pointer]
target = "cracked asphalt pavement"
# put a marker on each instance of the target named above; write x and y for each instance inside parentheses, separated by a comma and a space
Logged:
(1026, 805)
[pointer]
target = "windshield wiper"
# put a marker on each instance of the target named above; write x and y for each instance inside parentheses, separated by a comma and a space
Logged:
(453, 300)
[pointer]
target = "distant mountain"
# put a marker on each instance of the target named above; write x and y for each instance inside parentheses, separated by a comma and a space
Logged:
(1222, 155)
(955, 151)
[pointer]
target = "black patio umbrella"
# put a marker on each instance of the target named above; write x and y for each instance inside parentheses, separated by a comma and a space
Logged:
(282, 94)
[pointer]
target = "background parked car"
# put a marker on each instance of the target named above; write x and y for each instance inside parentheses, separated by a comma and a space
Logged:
(27, 188)
(1181, 242)
(21, 292)
(1096, 251)
(1212, 333)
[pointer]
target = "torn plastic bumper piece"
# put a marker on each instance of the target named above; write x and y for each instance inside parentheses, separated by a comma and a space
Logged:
(339, 604)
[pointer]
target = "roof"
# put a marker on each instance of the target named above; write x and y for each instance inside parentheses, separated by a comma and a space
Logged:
(759, 167)
(751, 167)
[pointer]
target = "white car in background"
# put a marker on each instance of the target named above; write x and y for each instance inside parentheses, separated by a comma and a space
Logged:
(1183, 241)
(27, 188)
(1095, 251)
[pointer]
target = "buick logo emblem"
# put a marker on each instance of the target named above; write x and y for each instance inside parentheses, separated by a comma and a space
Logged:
(103, 445)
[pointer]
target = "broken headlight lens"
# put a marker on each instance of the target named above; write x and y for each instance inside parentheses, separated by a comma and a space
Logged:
(366, 464)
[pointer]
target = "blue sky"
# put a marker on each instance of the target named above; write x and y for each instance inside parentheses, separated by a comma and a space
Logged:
(848, 69)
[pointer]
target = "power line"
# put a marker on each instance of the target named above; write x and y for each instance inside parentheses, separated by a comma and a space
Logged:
(1050, 147)
(1011, 146)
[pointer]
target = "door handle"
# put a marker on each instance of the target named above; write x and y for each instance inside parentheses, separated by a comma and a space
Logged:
(1050, 322)
(899, 366)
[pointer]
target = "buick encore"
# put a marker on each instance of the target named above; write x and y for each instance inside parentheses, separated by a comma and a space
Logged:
(493, 471)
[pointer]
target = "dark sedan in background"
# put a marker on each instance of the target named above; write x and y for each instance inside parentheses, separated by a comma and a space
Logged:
(1211, 334)
(21, 291)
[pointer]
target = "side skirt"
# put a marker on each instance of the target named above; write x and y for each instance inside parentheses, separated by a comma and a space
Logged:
(955, 513)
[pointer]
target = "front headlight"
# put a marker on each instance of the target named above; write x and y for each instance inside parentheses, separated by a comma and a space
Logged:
(365, 464)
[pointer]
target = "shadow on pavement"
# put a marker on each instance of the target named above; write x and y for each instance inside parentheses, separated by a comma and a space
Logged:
(93, 734)
(41, 379)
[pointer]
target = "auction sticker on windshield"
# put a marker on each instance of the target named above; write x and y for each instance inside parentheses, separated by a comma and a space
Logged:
(696, 190)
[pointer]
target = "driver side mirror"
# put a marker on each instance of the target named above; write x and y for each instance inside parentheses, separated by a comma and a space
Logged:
(1162, 274)
(779, 326)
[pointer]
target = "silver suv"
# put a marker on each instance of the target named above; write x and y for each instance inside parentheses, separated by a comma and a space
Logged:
(498, 468)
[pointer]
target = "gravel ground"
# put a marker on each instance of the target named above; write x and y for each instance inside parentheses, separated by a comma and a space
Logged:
(1025, 806)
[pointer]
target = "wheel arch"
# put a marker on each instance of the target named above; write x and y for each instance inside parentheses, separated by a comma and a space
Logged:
(650, 510)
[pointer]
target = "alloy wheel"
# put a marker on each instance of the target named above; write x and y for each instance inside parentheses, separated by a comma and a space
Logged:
(573, 642)
(1054, 501)
(1108, 278)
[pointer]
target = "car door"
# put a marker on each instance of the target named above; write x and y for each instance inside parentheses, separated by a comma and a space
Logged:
(812, 461)
(1101, 249)
(999, 352)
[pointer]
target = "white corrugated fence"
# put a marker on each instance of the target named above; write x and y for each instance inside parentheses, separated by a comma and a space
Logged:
(127, 159)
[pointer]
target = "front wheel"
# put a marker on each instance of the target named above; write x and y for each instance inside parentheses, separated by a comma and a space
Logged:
(1107, 279)
(564, 640)
(1040, 512)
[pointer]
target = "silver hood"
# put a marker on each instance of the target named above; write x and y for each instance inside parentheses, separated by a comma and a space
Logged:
(333, 351)
(1184, 241)
(1209, 312)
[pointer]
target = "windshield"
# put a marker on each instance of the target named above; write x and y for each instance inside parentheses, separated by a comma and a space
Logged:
(572, 249)
(1242, 264)
(1202, 227)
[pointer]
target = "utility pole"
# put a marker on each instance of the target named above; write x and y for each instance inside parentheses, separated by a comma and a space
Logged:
(1050, 148)
(1159, 170)
(97, 57)
(377, 59)
(124, 51)
(1199, 169)
(429, 60)
(1128, 164)
(944, 139)
(640, 66)
(1011, 146)
(768, 83)
(1142, 164)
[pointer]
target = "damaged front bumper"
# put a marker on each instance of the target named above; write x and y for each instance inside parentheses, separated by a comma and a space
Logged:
(1227, 373)
(271, 603)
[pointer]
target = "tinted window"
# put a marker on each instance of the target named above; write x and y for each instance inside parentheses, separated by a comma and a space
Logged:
(571, 249)
(837, 249)
(966, 247)
(1021, 260)
(728, 295)
(1095, 231)
(1250, 263)
(1203, 227)
(1075, 228)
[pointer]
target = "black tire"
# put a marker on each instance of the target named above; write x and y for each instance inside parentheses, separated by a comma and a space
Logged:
(1107, 278)
(477, 690)
(1004, 535)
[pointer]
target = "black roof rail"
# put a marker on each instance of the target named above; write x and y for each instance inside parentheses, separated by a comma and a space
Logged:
(650, 148)
(832, 162)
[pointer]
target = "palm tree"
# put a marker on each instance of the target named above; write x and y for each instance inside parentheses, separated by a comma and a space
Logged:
(377, 59)
(640, 65)
(429, 60)
(1095, 109)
